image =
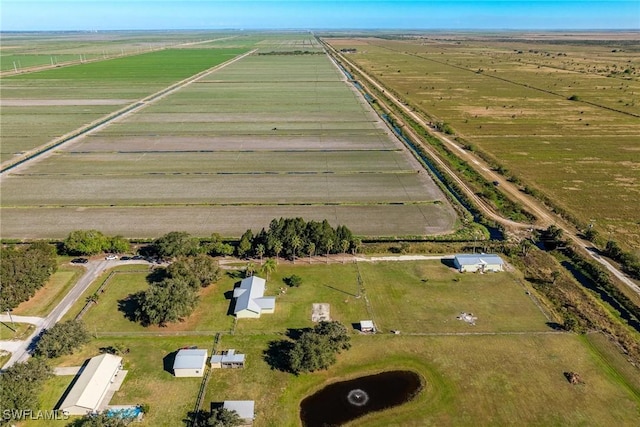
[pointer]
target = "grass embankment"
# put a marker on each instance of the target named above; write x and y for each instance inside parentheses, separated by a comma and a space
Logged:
(15, 331)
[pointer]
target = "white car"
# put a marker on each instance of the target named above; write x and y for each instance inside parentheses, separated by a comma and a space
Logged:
(111, 257)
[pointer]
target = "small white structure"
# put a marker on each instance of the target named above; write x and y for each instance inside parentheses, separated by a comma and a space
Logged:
(250, 299)
(471, 263)
(190, 362)
(93, 384)
(367, 326)
(227, 360)
(244, 408)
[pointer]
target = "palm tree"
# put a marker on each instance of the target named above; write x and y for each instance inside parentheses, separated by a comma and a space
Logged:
(329, 246)
(311, 249)
(296, 242)
(355, 245)
(260, 251)
(344, 245)
(277, 248)
(269, 267)
(250, 269)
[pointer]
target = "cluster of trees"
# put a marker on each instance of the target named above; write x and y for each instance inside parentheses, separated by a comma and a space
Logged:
(20, 385)
(63, 338)
(173, 294)
(91, 242)
(311, 350)
(629, 261)
(291, 237)
(24, 271)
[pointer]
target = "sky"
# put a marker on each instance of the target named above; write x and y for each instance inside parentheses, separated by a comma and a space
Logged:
(65, 15)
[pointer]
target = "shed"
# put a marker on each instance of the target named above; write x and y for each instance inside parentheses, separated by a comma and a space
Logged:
(244, 408)
(228, 359)
(250, 299)
(367, 326)
(190, 362)
(92, 385)
(478, 263)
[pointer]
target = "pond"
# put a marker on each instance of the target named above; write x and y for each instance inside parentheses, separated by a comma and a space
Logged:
(341, 402)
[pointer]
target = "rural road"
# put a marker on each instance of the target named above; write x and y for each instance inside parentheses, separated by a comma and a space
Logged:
(93, 270)
(544, 217)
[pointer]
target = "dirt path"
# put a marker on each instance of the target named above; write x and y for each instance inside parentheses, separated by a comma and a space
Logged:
(20, 163)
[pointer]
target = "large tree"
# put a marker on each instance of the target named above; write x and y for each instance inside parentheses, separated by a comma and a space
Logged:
(170, 300)
(20, 386)
(317, 349)
(63, 338)
(175, 244)
(86, 242)
(200, 270)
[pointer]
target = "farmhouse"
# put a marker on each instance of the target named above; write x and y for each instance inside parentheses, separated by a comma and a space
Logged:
(190, 362)
(93, 385)
(244, 408)
(227, 360)
(478, 263)
(250, 299)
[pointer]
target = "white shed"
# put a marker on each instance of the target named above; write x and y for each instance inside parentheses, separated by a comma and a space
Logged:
(93, 384)
(190, 362)
(250, 299)
(478, 263)
(244, 408)
(367, 326)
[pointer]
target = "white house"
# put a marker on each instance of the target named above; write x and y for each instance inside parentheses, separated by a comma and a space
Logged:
(230, 359)
(92, 386)
(190, 362)
(244, 408)
(478, 263)
(250, 299)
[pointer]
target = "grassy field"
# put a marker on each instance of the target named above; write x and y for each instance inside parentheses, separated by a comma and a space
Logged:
(509, 99)
(506, 370)
(268, 131)
(15, 331)
(47, 297)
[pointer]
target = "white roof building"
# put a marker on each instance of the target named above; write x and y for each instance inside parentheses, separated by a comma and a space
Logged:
(250, 299)
(478, 262)
(367, 326)
(190, 362)
(92, 385)
(244, 408)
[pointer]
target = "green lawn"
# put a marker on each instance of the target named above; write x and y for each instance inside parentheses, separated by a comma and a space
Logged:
(510, 374)
(47, 297)
(15, 331)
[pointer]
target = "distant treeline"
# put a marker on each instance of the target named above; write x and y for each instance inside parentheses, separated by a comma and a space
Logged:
(293, 52)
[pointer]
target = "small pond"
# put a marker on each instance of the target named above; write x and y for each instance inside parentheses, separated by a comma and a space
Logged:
(341, 402)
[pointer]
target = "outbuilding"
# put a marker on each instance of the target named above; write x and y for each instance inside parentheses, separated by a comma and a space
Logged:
(228, 359)
(483, 263)
(190, 362)
(93, 385)
(244, 408)
(250, 299)
(367, 326)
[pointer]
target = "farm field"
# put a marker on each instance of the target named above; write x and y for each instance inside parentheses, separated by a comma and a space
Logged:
(509, 98)
(38, 107)
(506, 370)
(271, 135)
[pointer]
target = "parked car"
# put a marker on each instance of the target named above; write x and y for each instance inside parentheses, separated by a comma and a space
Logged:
(125, 258)
(111, 257)
(79, 261)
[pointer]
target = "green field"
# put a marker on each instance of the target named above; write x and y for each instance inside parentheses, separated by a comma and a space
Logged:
(509, 99)
(506, 370)
(283, 131)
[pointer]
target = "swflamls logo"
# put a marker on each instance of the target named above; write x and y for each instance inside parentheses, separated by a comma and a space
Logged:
(30, 414)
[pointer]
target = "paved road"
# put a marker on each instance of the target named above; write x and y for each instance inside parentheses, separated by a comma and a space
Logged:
(93, 270)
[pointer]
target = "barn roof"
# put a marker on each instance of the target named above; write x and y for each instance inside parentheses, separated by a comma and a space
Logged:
(190, 358)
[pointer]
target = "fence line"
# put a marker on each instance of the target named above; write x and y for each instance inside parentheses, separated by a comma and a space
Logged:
(91, 301)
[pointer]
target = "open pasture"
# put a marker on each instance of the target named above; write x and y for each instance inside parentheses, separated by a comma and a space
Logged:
(509, 372)
(248, 135)
(511, 101)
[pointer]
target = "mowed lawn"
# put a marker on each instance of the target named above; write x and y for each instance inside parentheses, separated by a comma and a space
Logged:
(510, 374)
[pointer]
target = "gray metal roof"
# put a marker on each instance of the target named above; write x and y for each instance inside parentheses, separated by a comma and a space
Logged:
(190, 359)
(250, 296)
(244, 408)
(475, 259)
(229, 357)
